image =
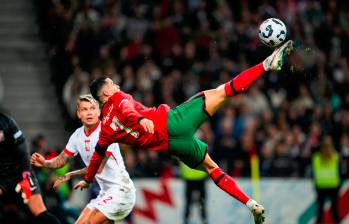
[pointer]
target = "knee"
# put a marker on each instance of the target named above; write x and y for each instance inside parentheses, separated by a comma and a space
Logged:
(83, 220)
(208, 164)
(209, 168)
(220, 91)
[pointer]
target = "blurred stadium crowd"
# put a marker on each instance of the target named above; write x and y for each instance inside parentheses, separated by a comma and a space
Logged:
(166, 51)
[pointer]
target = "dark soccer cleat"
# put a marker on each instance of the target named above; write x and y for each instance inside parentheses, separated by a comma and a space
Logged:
(258, 214)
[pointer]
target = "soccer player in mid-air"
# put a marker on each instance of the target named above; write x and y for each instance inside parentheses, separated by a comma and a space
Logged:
(117, 197)
(128, 121)
(16, 174)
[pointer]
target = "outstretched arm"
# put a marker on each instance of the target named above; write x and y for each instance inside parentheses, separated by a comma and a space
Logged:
(57, 162)
(66, 177)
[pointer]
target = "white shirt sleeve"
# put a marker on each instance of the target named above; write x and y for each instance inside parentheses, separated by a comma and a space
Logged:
(71, 147)
(113, 148)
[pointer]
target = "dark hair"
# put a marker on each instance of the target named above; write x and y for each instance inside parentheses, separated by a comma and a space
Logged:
(96, 86)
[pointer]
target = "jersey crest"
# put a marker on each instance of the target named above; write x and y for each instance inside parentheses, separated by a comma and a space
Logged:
(87, 145)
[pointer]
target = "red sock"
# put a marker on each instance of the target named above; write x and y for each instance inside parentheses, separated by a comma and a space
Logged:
(228, 184)
(244, 80)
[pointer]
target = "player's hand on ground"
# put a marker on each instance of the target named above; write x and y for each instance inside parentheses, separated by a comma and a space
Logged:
(26, 186)
(60, 180)
(37, 160)
(148, 125)
(81, 185)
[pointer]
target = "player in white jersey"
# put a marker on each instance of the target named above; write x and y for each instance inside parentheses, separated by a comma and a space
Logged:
(116, 198)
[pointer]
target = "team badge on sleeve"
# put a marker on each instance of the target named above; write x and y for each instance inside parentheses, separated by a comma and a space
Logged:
(17, 134)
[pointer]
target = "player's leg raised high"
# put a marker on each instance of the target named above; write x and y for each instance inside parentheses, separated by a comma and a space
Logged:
(216, 97)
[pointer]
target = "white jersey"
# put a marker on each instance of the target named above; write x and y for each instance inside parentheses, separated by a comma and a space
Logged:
(112, 171)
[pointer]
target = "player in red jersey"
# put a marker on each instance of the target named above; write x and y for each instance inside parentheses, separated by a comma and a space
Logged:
(128, 121)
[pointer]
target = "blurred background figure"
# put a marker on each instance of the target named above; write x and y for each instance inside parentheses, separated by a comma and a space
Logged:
(195, 191)
(344, 154)
(20, 194)
(195, 180)
(326, 168)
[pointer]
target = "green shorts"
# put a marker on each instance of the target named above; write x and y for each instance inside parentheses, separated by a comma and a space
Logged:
(182, 123)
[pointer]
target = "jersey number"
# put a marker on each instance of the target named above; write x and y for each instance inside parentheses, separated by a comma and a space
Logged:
(109, 198)
(116, 124)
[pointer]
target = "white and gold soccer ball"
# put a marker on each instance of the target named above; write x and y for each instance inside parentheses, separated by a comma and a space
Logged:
(272, 32)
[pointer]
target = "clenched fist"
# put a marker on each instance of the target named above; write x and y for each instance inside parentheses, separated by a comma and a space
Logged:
(37, 160)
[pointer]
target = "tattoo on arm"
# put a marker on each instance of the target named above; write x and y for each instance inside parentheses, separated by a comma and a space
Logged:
(80, 172)
(58, 161)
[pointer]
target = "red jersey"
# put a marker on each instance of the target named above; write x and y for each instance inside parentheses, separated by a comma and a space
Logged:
(120, 123)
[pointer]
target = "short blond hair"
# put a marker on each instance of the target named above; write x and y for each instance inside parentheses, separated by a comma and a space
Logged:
(86, 98)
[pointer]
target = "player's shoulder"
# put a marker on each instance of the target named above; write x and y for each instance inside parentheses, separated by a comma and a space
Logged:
(78, 132)
(4, 117)
(6, 121)
(120, 95)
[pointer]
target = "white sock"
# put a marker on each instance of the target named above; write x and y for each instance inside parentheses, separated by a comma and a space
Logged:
(251, 203)
(265, 65)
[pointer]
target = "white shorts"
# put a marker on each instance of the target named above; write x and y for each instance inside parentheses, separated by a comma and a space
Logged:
(115, 203)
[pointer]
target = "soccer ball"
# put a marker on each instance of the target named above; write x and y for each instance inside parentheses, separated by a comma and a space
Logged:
(272, 32)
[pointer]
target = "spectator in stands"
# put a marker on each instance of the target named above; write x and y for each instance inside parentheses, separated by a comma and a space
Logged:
(76, 85)
(242, 154)
(103, 61)
(344, 155)
(311, 145)
(256, 101)
(194, 186)
(283, 165)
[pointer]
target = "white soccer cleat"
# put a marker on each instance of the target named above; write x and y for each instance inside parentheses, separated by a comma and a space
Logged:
(258, 214)
(275, 61)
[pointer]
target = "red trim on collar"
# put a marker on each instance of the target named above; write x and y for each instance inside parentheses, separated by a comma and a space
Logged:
(93, 129)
